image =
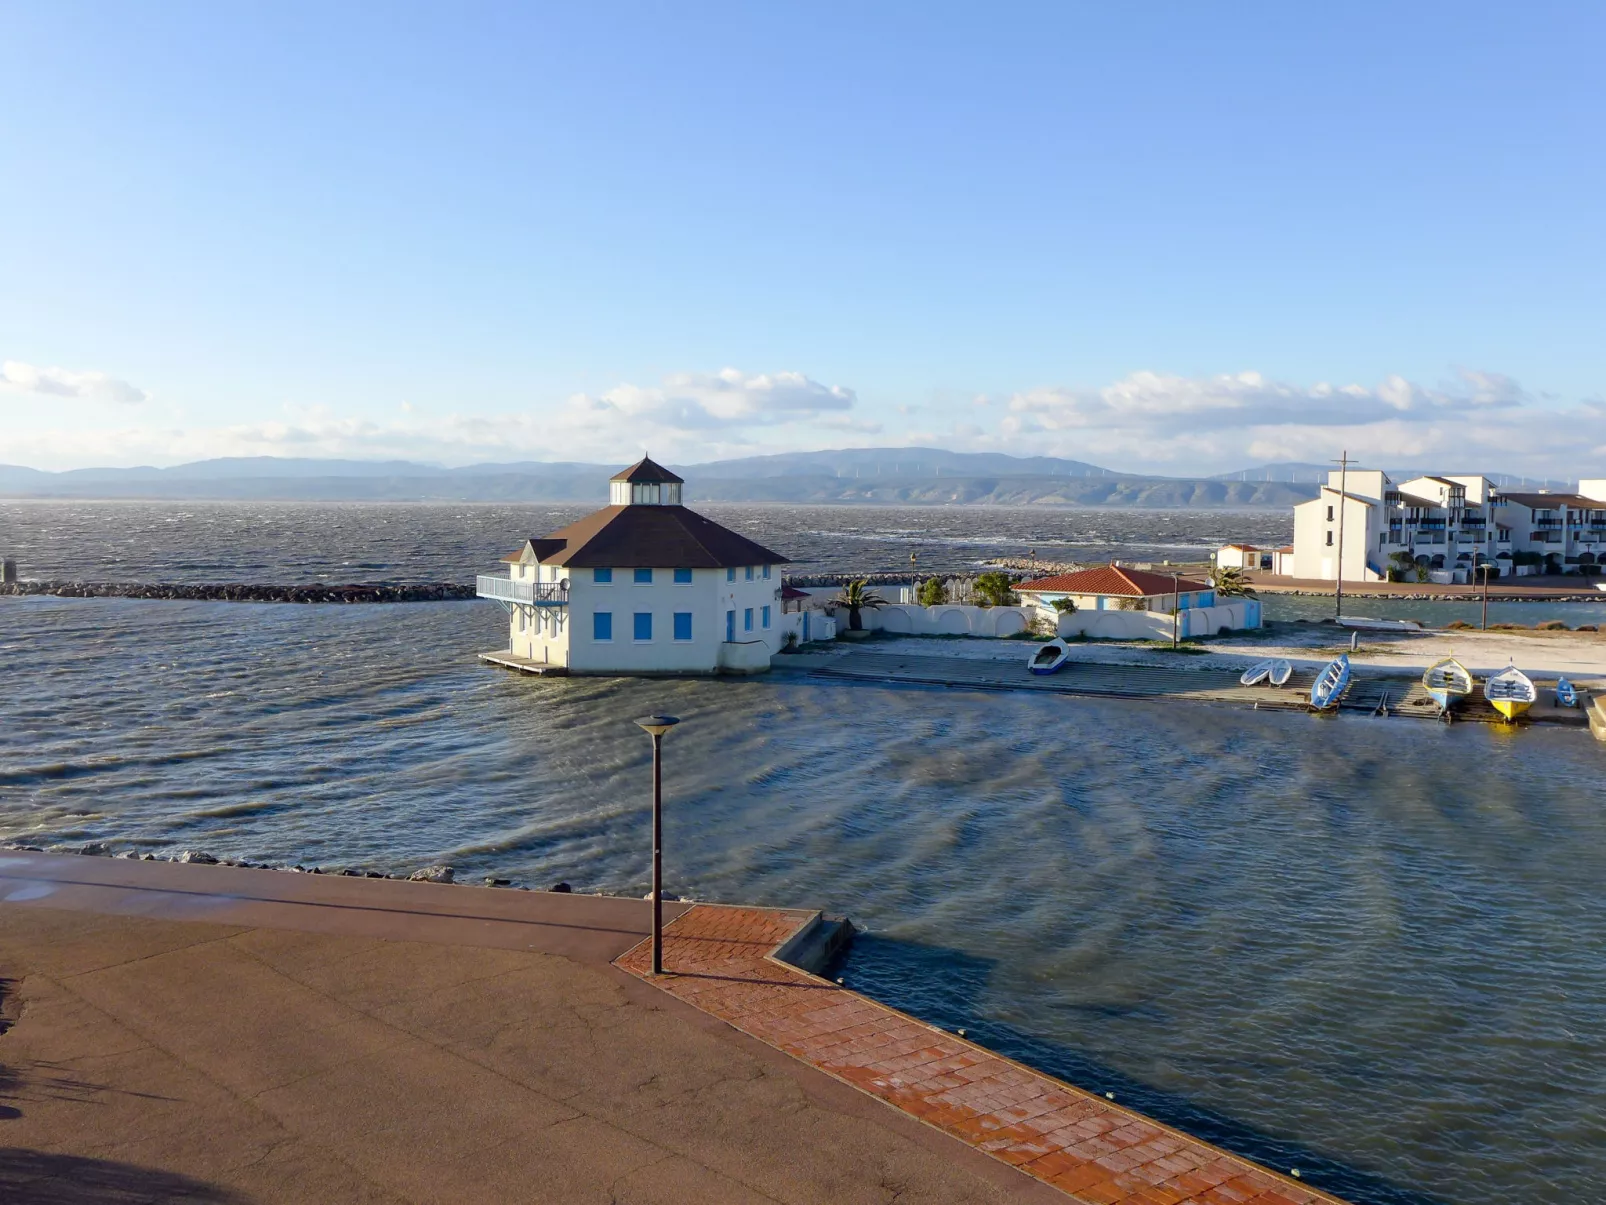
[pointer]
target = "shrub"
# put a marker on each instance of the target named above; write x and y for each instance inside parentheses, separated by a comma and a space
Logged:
(995, 590)
(1065, 606)
(933, 592)
(1587, 627)
(1551, 625)
(1457, 625)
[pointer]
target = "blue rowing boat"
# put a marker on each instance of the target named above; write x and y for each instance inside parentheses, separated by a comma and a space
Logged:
(1566, 693)
(1330, 683)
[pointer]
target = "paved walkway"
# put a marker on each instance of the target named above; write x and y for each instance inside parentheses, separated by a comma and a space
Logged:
(213, 1034)
(719, 960)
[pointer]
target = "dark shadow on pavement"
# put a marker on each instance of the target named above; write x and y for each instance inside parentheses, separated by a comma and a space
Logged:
(35, 1178)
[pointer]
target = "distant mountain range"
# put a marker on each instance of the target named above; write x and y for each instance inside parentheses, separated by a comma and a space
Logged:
(862, 475)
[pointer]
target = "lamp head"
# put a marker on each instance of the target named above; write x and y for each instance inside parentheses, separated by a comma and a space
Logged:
(657, 725)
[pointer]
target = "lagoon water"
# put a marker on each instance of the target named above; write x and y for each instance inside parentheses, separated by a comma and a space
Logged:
(1372, 950)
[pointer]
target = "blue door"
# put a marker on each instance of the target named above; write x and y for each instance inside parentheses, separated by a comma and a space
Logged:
(730, 627)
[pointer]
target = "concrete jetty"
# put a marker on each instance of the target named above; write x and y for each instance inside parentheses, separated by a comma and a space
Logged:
(1373, 694)
(217, 1034)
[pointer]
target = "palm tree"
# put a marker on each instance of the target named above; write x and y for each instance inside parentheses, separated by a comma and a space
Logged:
(857, 596)
(1229, 582)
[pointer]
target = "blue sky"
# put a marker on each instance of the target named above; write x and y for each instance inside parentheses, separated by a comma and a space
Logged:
(1168, 237)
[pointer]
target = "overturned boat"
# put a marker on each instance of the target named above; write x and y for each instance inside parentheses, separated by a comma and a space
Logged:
(1274, 670)
(1566, 693)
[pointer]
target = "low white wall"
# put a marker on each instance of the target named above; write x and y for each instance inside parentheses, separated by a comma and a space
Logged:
(744, 657)
(949, 619)
(1156, 625)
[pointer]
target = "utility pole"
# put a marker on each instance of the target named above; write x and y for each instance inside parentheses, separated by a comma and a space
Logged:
(1485, 568)
(1343, 493)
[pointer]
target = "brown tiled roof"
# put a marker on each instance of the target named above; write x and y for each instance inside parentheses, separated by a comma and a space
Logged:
(646, 470)
(1111, 579)
(1551, 501)
(792, 593)
(661, 537)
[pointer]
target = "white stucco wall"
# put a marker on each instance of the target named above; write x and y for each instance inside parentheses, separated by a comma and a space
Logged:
(707, 597)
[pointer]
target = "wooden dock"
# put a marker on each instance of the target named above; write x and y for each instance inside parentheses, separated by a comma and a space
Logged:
(1379, 694)
(508, 659)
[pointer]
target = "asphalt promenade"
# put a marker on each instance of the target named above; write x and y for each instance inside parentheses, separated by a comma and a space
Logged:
(221, 1035)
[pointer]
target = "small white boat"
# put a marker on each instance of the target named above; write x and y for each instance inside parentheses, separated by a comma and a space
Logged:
(1281, 671)
(1256, 673)
(1047, 658)
(1566, 693)
(1379, 625)
(1446, 681)
(1330, 683)
(1511, 692)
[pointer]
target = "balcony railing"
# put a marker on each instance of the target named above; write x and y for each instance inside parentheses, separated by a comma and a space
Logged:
(1547, 524)
(531, 594)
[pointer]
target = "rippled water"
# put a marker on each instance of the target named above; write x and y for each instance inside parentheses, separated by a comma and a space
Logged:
(292, 542)
(1369, 949)
(1372, 950)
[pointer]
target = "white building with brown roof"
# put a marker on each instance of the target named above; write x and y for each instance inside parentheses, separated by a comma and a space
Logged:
(1116, 603)
(642, 586)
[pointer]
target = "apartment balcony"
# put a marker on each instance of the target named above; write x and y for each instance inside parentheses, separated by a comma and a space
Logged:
(529, 594)
(1547, 524)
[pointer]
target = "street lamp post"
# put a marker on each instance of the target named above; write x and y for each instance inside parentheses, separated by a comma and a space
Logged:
(655, 726)
(1485, 568)
(1176, 609)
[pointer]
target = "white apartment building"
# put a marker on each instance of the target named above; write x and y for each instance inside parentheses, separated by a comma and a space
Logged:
(1445, 527)
(642, 586)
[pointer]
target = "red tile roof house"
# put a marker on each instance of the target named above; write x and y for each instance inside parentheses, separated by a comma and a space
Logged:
(642, 586)
(1112, 588)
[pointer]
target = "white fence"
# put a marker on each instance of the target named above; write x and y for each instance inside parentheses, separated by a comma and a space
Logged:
(953, 620)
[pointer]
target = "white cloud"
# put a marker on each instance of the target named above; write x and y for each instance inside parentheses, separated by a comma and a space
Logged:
(688, 417)
(1164, 423)
(62, 382)
(1146, 422)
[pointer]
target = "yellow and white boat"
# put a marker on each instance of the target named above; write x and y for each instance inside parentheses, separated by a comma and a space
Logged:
(1510, 691)
(1446, 681)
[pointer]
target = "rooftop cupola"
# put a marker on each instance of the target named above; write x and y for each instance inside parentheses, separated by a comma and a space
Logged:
(645, 483)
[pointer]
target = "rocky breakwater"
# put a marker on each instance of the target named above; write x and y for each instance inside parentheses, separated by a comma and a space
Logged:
(357, 592)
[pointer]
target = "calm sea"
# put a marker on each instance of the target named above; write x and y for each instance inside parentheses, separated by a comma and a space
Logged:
(1372, 950)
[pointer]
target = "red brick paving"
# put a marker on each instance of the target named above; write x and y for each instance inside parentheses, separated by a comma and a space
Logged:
(718, 959)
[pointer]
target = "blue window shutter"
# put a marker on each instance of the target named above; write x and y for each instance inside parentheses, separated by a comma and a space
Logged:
(644, 576)
(682, 625)
(602, 625)
(766, 619)
(747, 620)
(643, 625)
(682, 576)
(602, 575)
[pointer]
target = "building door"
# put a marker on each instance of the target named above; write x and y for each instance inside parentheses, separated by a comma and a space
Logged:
(730, 627)
(805, 627)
